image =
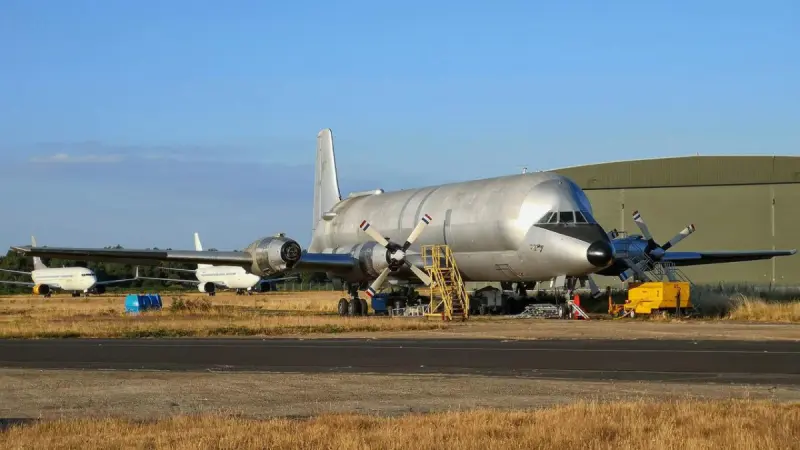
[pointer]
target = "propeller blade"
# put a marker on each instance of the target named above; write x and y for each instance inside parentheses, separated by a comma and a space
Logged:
(420, 273)
(373, 288)
(680, 236)
(596, 292)
(425, 220)
(637, 268)
(373, 233)
(637, 218)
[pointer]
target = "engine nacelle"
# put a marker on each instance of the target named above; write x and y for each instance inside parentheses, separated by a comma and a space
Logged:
(99, 289)
(273, 255)
(41, 289)
(208, 287)
(372, 258)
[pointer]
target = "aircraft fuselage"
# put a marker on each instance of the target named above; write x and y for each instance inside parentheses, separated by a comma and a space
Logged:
(494, 227)
(231, 277)
(66, 278)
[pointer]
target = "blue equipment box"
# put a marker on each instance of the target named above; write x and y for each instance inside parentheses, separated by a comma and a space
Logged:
(136, 303)
(379, 303)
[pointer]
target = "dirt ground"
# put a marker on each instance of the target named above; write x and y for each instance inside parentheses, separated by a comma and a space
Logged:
(36, 394)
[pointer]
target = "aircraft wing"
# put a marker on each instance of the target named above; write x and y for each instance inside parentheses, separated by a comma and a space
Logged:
(115, 281)
(308, 262)
(273, 280)
(134, 256)
(15, 271)
(174, 280)
(19, 283)
(700, 258)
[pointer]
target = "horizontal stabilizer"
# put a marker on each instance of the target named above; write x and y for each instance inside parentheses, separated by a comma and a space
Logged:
(138, 256)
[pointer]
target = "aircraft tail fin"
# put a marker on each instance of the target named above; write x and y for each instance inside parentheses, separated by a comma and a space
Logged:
(326, 180)
(199, 247)
(37, 261)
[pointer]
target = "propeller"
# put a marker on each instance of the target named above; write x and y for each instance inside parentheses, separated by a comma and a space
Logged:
(397, 253)
(654, 250)
(587, 279)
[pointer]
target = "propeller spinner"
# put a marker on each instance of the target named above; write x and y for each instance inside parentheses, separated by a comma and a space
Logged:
(397, 253)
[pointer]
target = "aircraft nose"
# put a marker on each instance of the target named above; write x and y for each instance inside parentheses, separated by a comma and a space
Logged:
(600, 253)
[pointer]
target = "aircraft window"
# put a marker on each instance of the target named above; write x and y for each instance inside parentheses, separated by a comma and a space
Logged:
(566, 217)
(546, 217)
(589, 217)
(553, 218)
(579, 217)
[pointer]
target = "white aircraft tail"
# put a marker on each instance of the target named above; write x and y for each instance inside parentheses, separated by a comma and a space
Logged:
(326, 180)
(37, 261)
(199, 247)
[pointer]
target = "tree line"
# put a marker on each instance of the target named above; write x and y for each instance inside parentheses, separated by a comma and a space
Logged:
(107, 271)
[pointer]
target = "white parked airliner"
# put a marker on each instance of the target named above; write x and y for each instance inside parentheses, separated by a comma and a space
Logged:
(79, 280)
(209, 277)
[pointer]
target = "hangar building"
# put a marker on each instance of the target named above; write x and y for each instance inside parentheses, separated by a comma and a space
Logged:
(735, 202)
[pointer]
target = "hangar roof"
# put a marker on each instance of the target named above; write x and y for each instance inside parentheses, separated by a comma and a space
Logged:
(686, 171)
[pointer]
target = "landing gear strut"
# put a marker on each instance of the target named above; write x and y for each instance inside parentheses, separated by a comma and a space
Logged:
(355, 306)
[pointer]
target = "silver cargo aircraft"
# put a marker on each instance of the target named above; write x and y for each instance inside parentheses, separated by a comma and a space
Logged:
(521, 228)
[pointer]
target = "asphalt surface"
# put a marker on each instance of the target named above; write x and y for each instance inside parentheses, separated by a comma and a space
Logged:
(709, 361)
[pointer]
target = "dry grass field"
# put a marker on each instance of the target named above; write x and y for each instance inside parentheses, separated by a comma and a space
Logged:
(689, 424)
(314, 313)
(189, 315)
(757, 310)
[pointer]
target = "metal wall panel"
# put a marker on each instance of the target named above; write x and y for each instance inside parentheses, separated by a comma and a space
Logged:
(687, 171)
(787, 232)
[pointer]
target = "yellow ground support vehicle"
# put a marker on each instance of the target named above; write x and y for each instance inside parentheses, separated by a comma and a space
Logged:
(650, 297)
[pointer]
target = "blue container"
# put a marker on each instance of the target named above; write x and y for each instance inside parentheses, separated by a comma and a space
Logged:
(136, 303)
(379, 303)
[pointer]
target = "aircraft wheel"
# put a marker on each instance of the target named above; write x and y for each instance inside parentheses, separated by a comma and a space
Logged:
(354, 307)
(364, 307)
(343, 307)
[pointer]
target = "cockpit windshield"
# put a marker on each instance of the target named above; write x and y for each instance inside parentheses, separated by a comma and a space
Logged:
(567, 217)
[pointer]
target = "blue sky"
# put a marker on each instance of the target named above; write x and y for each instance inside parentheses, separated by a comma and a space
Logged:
(152, 120)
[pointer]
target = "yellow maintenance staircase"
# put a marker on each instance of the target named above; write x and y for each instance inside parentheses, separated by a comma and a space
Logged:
(449, 299)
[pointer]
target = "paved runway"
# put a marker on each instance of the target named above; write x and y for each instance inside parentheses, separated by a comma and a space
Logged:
(718, 361)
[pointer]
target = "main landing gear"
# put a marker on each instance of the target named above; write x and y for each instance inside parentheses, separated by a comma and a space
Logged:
(355, 306)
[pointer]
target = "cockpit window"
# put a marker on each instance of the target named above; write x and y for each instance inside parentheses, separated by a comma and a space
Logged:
(548, 217)
(566, 217)
(570, 217)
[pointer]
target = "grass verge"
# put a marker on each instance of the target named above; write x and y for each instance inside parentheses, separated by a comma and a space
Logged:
(187, 325)
(757, 310)
(689, 424)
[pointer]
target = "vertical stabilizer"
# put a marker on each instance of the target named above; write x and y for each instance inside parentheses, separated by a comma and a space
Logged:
(326, 180)
(37, 261)
(199, 247)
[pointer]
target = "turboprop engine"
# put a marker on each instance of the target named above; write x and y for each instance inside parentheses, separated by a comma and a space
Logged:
(273, 255)
(41, 289)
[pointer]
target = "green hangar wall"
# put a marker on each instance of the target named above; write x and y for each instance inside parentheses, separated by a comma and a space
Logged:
(735, 203)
